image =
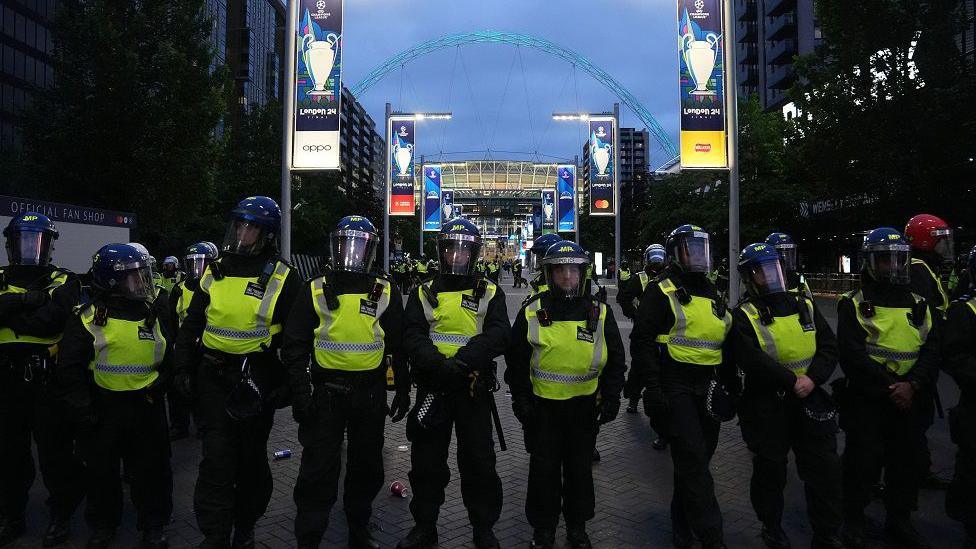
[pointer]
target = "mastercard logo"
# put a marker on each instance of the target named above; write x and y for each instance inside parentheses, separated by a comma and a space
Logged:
(602, 204)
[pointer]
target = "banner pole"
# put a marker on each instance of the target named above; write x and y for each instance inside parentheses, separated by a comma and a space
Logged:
(732, 131)
(423, 207)
(576, 215)
(386, 196)
(288, 120)
(616, 187)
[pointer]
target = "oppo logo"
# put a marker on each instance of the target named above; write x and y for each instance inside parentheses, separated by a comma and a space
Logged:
(317, 148)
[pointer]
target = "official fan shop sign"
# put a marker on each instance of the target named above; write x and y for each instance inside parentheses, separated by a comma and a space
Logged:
(566, 201)
(432, 198)
(701, 78)
(401, 145)
(603, 169)
(317, 86)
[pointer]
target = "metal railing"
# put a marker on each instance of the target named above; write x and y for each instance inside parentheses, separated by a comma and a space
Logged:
(832, 283)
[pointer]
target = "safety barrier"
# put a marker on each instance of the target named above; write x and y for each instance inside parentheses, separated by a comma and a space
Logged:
(832, 283)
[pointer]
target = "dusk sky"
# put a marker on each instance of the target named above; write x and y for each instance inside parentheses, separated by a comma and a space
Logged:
(495, 104)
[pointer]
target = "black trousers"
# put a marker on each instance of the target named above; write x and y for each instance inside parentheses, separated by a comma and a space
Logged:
(560, 440)
(693, 435)
(31, 410)
(881, 436)
(132, 430)
(234, 484)
(771, 427)
(481, 489)
(361, 416)
(961, 496)
(179, 411)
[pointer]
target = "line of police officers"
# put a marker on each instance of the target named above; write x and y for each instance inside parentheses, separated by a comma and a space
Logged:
(242, 336)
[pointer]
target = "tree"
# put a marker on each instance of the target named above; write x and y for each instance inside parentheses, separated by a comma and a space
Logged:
(129, 122)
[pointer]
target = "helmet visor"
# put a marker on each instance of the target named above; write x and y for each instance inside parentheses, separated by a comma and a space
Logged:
(765, 278)
(566, 280)
(889, 265)
(244, 237)
(787, 256)
(693, 253)
(195, 264)
(944, 246)
(353, 251)
(137, 284)
(29, 248)
(458, 256)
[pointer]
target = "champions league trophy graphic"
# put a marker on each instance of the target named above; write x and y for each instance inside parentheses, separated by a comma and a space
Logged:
(448, 210)
(601, 154)
(319, 57)
(547, 209)
(402, 155)
(699, 56)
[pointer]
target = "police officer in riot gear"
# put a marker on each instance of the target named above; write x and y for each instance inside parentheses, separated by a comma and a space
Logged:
(170, 273)
(114, 372)
(787, 250)
(539, 247)
(565, 369)
(787, 352)
(889, 351)
(226, 359)
(195, 261)
(456, 324)
(36, 298)
(680, 351)
(349, 323)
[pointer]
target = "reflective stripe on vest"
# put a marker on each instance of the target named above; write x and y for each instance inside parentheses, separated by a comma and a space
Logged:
(566, 360)
(239, 323)
(10, 335)
(451, 325)
(644, 279)
(126, 358)
(938, 283)
(183, 303)
(697, 335)
(892, 340)
(349, 338)
(784, 340)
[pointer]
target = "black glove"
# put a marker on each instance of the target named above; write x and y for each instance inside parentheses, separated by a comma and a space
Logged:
(452, 372)
(303, 408)
(184, 386)
(400, 405)
(609, 407)
(280, 397)
(34, 298)
(524, 409)
(156, 391)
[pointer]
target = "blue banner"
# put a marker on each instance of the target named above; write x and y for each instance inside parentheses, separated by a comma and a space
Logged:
(402, 144)
(566, 203)
(537, 219)
(432, 198)
(602, 169)
(548, 211)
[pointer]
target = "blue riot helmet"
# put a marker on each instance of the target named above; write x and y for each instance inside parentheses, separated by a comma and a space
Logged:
(786, 248)
(121, 270)
(30, 239)
(458, 246)
(688, 249)
(170, 266)
(253, 227)
(761, 271)
(886, 257)
(197, 257)
(566, 266)
(655, 258)
(353, 244)
(541, 243)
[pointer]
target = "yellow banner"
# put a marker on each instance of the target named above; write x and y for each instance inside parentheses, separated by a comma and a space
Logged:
(701, 149)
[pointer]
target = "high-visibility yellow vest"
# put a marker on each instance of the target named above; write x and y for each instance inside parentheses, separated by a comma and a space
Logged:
(697, 335)
(786, 340)
(944, 298)
(183, 303)
(8, 334)
(644, 280)
(892, 340)
(240, 313)
(567, 359)
(624, 275)
(350, 337)
(458, 317)
(127, 353)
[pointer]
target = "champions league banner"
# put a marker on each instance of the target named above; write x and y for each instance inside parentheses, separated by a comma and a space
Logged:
(603, 172)
(317, 86)
(566, 203)
(432, 198)
(548, 211)
(701, 75)
(401, 148)
(447, 206)
(537, 219)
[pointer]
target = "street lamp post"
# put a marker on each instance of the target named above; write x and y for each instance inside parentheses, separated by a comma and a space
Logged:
(391, 115)
(732, 125)
(615, 116)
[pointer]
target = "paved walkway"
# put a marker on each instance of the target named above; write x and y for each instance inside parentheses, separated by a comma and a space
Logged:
(633, 487)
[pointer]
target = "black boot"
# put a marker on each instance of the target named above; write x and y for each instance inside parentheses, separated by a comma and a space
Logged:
(11, 529)
(774, 537)
(681, 536)
(577, 538)
(485, 539)
(543, 538)
(900, 532)
(243, 537)
(101, 538)
(421, 536)
(215, 542)
(360, 537)
(57, 533)
(596, 455)
(660, 444)
(826, 542)
(154, 538)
